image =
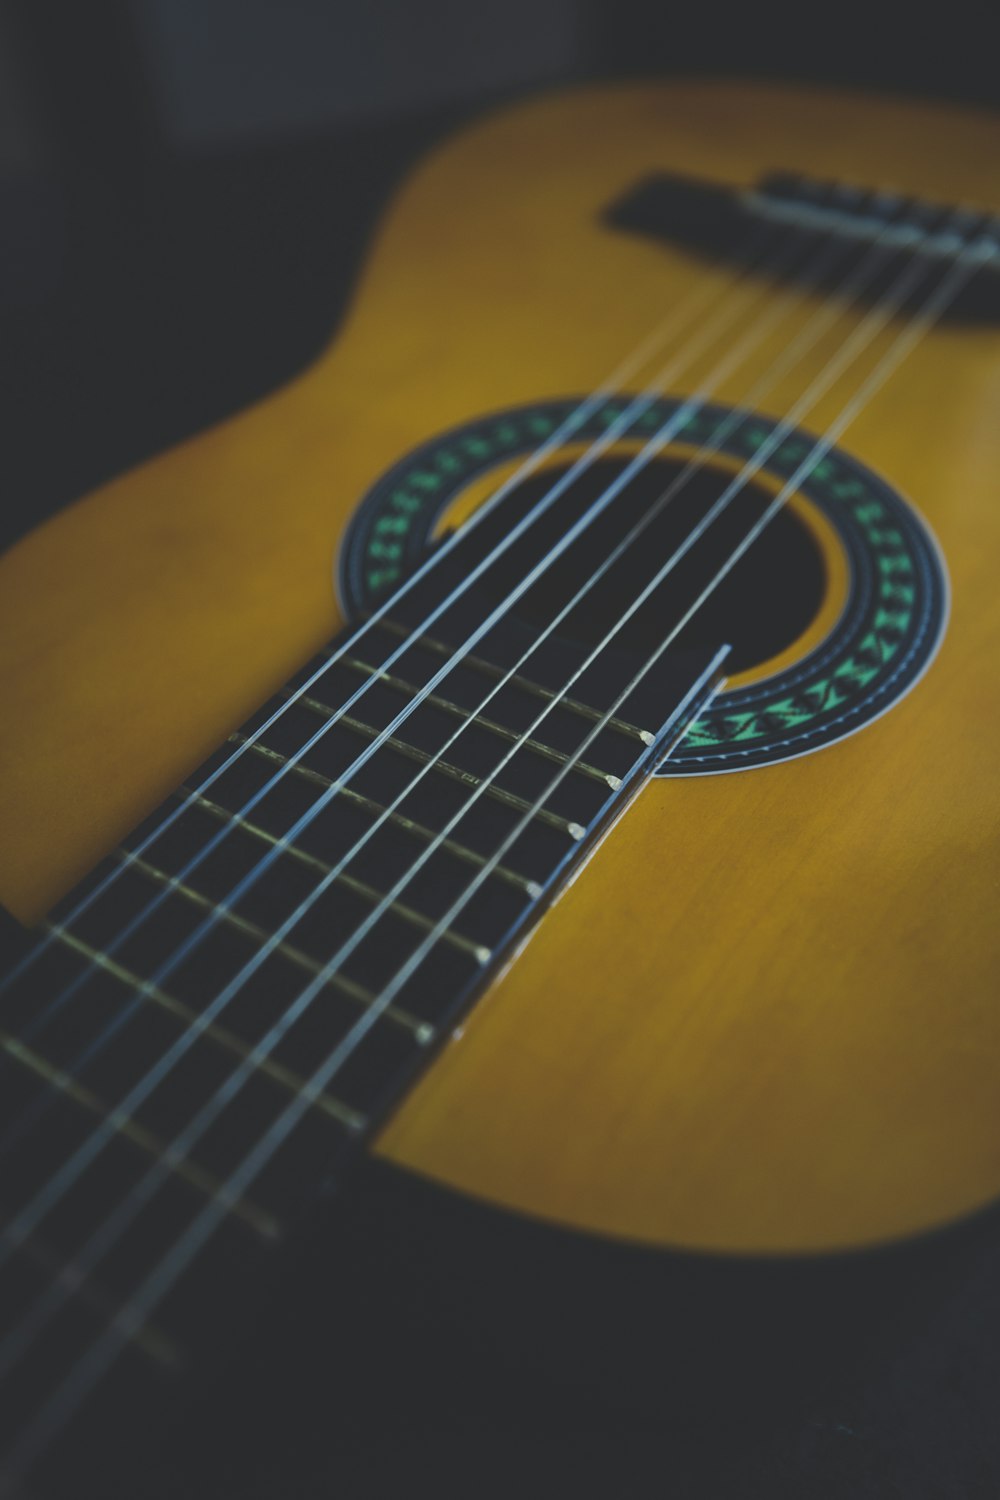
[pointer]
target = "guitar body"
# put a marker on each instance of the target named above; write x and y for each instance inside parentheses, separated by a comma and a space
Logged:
(764, 1018)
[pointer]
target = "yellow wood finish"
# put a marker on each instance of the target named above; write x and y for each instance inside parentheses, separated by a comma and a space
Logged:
(766, 1016)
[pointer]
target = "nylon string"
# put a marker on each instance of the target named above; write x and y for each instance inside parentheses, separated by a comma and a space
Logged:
(30, 1216)
(723, 369)
(625, 419)
(806, 337)
(609, 389)
(901, 346)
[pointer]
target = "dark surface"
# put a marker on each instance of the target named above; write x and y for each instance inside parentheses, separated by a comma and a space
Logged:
(134, 318)
(444, 1347)
(131, 323)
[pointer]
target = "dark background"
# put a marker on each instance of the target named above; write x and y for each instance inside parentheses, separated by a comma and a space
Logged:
(186, 187)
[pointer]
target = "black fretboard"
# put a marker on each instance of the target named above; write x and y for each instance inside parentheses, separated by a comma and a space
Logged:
(191, 946)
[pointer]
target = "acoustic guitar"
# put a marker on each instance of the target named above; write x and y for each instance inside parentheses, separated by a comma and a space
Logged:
(613, 838)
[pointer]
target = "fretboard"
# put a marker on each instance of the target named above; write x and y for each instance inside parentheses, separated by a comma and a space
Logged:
(233, 970)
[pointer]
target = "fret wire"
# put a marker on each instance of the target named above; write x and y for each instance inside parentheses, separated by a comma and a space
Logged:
(418, 830)
(406, 913)
(206, 1182)
(148, 1337)
(445, 768)
(293, 1082)
(487, 669)
(537, 747)
(198, 1177)
(347, 986)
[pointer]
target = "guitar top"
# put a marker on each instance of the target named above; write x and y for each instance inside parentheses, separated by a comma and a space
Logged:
(621, 578)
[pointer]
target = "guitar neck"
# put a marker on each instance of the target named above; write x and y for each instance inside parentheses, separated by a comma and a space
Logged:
(228, 1007)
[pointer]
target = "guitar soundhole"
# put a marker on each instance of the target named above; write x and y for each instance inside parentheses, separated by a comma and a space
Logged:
(834, 612)
(767, 601)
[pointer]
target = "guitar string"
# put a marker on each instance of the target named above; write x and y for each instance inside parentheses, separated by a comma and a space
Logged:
(625, 419)
(635, 408)
(611, 389)
(185, 1043)
(808, 334)
(197, 935)
(20, 1336)
(104, 1350)
(632, 411)
(220, 1000)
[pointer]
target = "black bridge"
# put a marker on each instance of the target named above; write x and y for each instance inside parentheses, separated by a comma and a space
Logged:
(731, 223)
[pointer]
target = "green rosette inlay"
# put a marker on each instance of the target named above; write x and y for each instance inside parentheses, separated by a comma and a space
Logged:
(885, 637)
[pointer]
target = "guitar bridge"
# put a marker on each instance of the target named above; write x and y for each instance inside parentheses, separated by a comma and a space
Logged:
(727, 222)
